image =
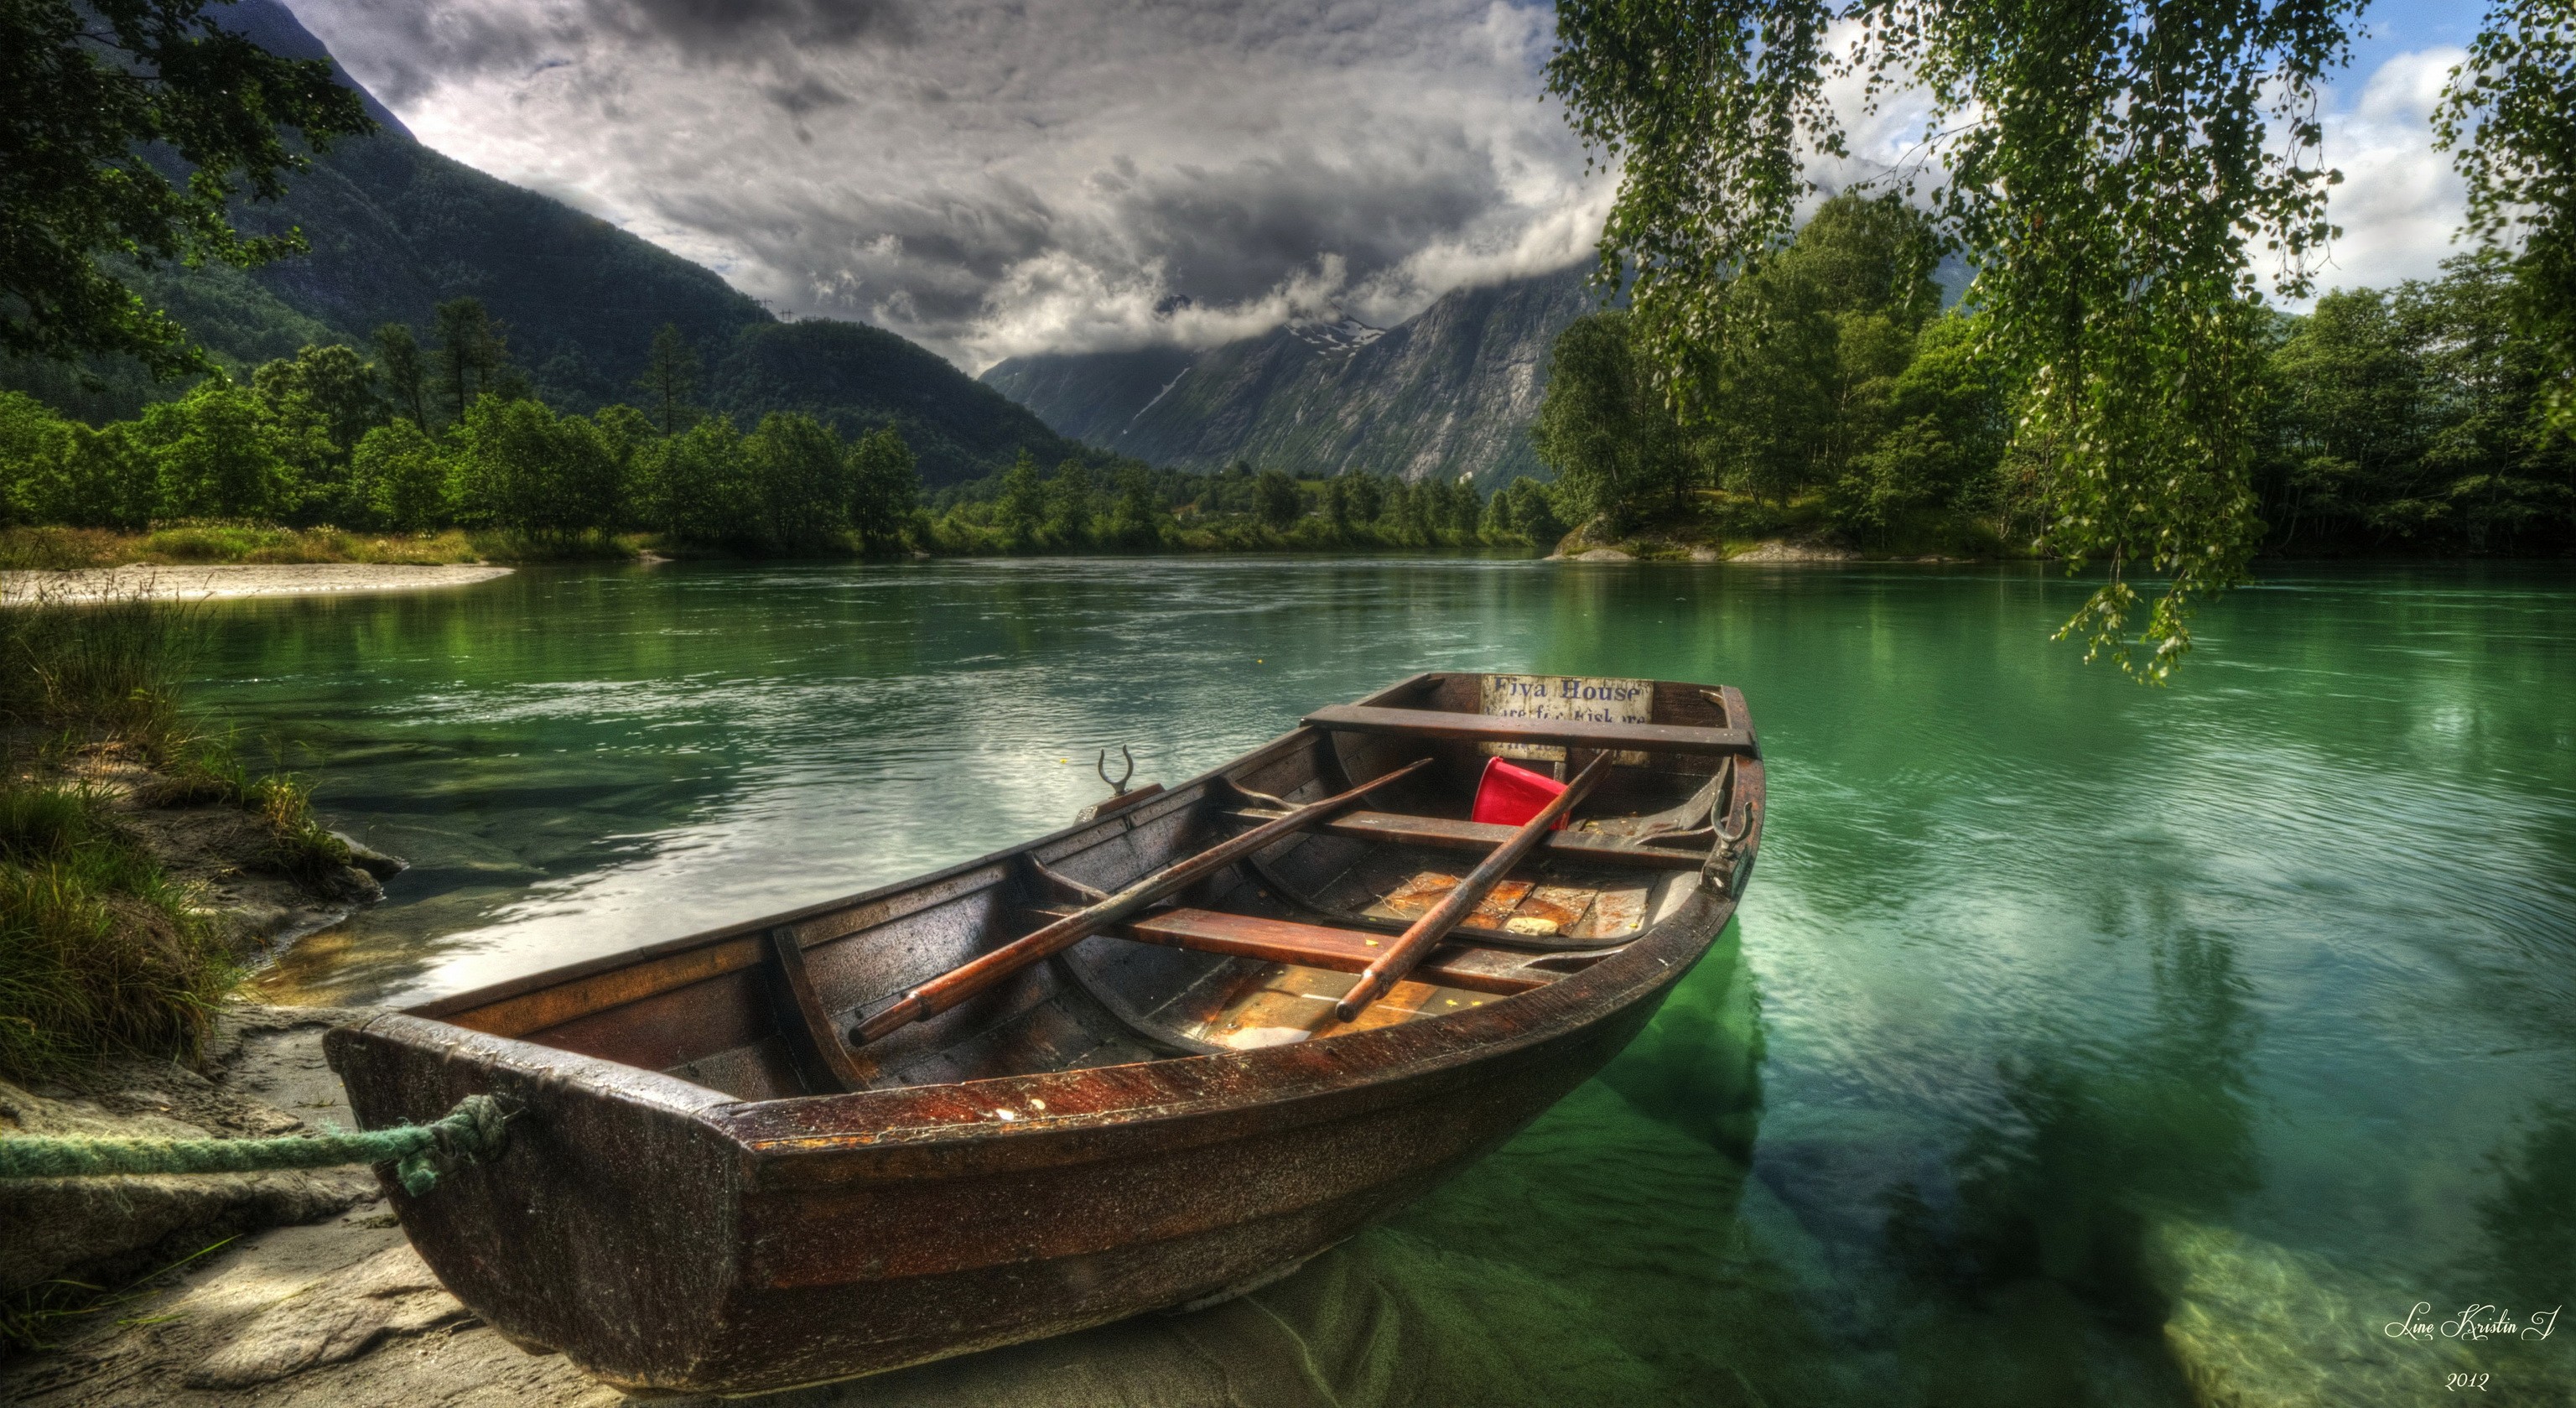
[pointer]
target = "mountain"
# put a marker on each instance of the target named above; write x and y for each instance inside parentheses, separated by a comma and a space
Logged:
(395, 228)
(1450, 391)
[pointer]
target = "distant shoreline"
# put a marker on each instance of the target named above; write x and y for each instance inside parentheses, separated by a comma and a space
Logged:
(20, 587)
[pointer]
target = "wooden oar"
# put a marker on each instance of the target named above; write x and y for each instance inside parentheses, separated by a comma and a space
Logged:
(1430, 929)
(967, 979)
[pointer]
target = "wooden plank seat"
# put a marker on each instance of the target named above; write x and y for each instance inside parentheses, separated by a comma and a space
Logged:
(1452, 965)
(1490, 728)
(1440, 833)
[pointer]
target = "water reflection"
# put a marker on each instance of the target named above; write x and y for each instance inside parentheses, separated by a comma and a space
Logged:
(2530, 1218)
(2082, 1043)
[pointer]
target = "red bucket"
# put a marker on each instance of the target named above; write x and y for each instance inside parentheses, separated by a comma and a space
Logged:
(1510, 796)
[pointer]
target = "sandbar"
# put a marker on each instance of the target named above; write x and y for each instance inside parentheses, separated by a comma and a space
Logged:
(206, 583)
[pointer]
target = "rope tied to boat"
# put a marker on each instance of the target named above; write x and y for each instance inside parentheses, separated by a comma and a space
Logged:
(473, 1132)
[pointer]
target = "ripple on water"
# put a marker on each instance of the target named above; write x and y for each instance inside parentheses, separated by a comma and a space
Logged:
(2067, 1016)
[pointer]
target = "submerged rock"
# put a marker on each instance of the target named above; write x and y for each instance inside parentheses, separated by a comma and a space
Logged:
(1780, 550)
(2254, 1323)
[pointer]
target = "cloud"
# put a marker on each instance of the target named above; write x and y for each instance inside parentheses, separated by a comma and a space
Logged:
(1064, 175)
(2401, 201)
(993, 179)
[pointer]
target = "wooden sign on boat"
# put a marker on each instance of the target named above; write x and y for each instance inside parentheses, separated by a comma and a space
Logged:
(1012, 1098)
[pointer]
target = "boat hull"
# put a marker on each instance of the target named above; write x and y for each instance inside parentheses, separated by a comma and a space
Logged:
(669, 1239)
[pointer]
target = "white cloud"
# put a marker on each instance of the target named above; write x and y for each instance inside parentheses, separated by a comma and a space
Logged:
(2401, 201)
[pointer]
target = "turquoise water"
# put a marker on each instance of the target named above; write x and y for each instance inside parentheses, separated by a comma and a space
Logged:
(2077, 1043)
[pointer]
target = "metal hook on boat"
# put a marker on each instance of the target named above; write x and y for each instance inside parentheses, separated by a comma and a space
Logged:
(1729, 865)
(1117, 785)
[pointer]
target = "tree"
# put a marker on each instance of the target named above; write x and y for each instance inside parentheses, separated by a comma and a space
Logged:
(1071, 505)
(35, 455)
(1524, 509)
(399, 476)
(2106, 168)
(1944, 434)
(697, 490)
(1276, 499)
(799, 483)
(1459, 507)
(2353, 400)
(1021, 510)
(2496, 470)
(2510, 112)
(1137, 521)
(885, 489)
(218, 453)
(670, 376)
(106, 99)
(406, 372)
(336, 384)
(1604, 428)
(472, 351)
(54, 470)
(504, 459)
(1368, 498)
(1802, 377)
(327, 398)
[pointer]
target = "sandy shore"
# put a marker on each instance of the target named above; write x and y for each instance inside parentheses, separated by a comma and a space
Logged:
(208, 583)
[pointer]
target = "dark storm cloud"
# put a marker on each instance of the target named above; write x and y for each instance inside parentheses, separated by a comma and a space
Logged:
(1226, 235)
(1001, 178)
(735, 28)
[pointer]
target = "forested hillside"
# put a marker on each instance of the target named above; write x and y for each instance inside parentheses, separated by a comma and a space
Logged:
(1446, 393)
(396, 228)
(1845, 405)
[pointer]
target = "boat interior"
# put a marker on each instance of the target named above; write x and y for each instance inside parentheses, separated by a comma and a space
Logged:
(1257, 953)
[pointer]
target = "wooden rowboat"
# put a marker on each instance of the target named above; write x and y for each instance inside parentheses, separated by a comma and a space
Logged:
(710, 1187)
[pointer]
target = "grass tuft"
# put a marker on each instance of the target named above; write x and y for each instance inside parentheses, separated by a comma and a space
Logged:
(202, 770)
(111, 667)
(99, 952)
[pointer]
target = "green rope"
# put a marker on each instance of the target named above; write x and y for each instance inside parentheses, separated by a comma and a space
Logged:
(470, 1133)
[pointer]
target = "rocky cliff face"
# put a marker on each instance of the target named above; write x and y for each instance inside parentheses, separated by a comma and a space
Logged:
(1449, 392)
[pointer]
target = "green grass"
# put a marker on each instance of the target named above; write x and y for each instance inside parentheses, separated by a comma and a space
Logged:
(192, 544)
(99, 952)
(109, 668)
(505, 545)
(201, 770)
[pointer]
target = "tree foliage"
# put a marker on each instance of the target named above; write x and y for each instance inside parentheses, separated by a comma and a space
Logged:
(311, 442)
(2510, 113)
(2108, 166)
(670, 378)
(130, 127)
(1604, 428)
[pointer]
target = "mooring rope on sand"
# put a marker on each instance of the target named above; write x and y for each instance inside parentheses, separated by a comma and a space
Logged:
(471, 1133)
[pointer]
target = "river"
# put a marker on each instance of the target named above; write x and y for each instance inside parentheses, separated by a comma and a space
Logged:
(2078, 1042)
